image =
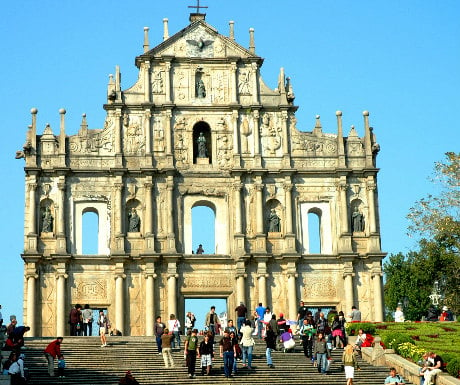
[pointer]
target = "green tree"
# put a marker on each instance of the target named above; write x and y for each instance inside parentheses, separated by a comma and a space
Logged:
(435, 221)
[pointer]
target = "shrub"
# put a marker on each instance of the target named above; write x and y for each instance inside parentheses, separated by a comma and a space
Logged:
(453, 367)
(353, 328)
(392, 340)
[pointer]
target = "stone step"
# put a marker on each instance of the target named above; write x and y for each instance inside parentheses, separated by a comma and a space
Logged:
(88, 362)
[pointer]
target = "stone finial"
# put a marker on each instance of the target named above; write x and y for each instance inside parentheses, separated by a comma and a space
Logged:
(165, 29)
(318, 127)
(338, 113)
(146, 39)
(281, 85)
(252, 45)
(232, 30)
(33, 111)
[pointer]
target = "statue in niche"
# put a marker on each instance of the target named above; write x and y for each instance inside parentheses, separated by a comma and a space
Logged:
(47, 221)
(357, 221)
(134, 221)
(274, 225)
(200, 89)
(202, 150)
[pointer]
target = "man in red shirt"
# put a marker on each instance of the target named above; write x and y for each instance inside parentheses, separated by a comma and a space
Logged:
(52, 351)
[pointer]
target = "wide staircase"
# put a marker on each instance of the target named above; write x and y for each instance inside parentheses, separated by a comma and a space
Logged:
(90, 364)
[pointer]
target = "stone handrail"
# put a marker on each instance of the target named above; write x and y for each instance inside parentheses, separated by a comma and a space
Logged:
(408, 370)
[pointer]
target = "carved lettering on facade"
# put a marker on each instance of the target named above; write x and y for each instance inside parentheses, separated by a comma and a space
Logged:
(208, 282)
(90, 290)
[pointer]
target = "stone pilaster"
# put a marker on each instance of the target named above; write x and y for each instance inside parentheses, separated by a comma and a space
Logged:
(119, 297)
(31, 278)
(376, 276)
(150, 299)
(61, 235)
(61, 300)
(348, 274)
(31, 243)
(233, 82)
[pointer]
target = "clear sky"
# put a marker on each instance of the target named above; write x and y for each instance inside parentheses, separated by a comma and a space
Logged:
(399, 60)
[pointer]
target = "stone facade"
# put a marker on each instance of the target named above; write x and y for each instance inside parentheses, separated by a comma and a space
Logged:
(144, 171)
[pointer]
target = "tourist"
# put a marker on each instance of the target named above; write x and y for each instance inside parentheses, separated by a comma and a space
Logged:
(6, 364)
(174, 328)
(10, 328)
(191, 350)
(321, 353)
(432, 371)
(75, 320)
(302, 312)
(87, 315)
(355, 314)
(307, 334)
(274, 325)
(322, 325)
(128, 379)
(158, 331)
(18, 335)
(287, 339)
(241, 313)
(189, 321)
(394, 378)
(206, 351)
(267, 318)
(259, 313)
(103, 323)
(166, 339)
(247, 343)
(349, 363)
(61, 366)
(52, 351)
(16, 371)
(270, 340)
(282, 327)
(399, 315)
(212, 320)
(338, 331)
(238, 350)
(228, 353)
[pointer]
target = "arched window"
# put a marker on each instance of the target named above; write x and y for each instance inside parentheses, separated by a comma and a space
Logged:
(203, 229)
(314, 231)
(90, 232)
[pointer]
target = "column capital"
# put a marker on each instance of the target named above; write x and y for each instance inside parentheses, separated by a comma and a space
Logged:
(31, 275)
(148, 185)
(150, 274)
(292, 274)
(119, 275)
(61, 186)
(237, 186)
(241, 275)
(61, 275)
(342, 186)
(33, 186)
(263, 275)
(371, 186)
(118, 186)
(171, 275)
(348, 274)
(287, 187)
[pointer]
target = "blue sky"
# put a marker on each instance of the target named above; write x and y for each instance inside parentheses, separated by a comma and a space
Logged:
(397, 59)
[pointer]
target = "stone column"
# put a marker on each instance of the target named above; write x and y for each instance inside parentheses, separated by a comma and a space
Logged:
(61, 220)
(237, 186)
(255, 93)
(348, 284)
(284, 131)
(371, 197)
(292, 295)
(147, 93)
(168, 82)
(150, 301)
(119, 299)
(168, 132)
(60, 303)
(234, 84)
(148, 228)
(172, 293)
(32, 208)
(119, 208)
(343, 207)
(262, 280)
(256, 117)
(170, 198)
(288, 197)
(148, 132)
(31, 277)
(118, 154)
(378, 305)
(241, 293)
(259, 208)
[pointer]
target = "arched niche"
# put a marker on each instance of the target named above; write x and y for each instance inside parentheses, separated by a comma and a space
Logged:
(134, 216)
(47, 219)
(202, 129)
(274, 216)
(221, 224)
(358, 217)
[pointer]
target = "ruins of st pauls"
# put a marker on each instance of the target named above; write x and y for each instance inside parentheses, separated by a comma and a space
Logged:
(199, 127)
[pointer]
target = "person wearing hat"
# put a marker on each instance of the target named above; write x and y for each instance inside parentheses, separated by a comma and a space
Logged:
(282, 324)
(241, 313)
(128, 379)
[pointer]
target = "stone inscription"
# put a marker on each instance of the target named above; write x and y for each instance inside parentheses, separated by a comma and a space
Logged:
(90, 290)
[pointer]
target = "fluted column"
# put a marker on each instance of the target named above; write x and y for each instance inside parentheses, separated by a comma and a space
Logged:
(343, 207)
(292, 295)
(149, 301)
(119, 301)
(259, 208)
(237, 186)
(233, 82)
(31, 277)
(288, 196)
(148, 228)
(371, 198)
(378, 305)
(32, 208)
(168, 82)
(119, 208)
(61, 303)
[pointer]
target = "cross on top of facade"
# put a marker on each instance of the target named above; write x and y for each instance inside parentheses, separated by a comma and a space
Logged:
(197, 6)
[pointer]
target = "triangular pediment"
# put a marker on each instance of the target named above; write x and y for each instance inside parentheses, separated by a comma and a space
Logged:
(199, 40)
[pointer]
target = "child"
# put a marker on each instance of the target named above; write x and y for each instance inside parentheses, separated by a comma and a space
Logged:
(207, 354)
(61, 366)
(166, 339)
